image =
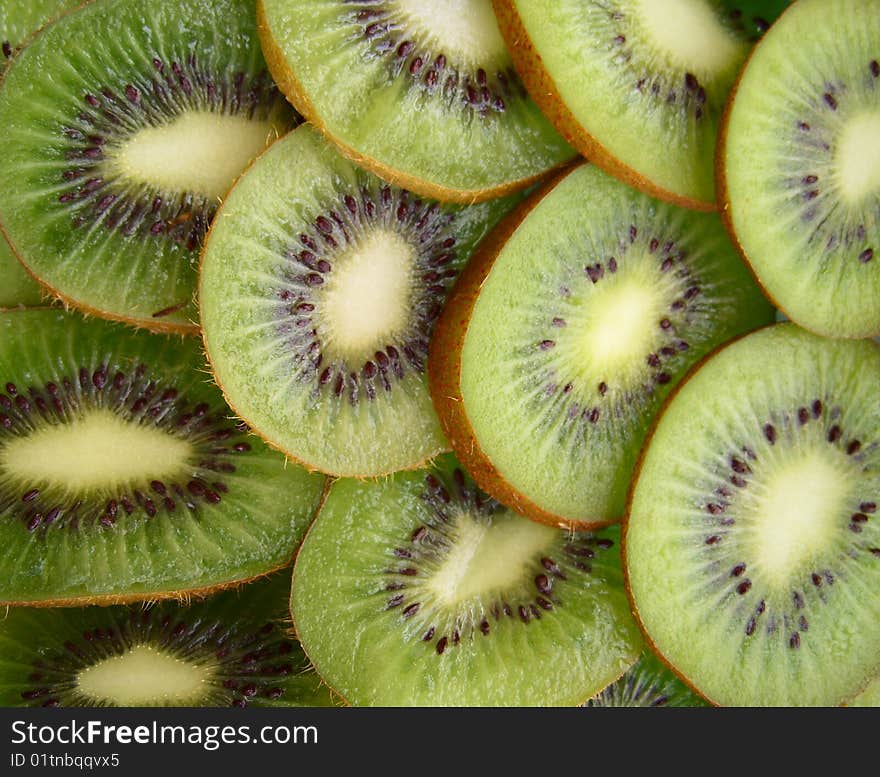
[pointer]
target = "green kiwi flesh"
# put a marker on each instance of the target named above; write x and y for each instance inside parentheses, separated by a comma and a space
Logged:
(649, 683)
(645, 82)
(16, 286)
(801, 166)
(122, 476)
(421, 590)
(594, 308)
(752, 547)
(232, 649)
(421, 92)
(319, 289)
(117, 152)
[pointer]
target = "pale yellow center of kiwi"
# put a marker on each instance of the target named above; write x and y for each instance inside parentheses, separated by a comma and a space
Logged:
(199, 151)
(489, 557)
(798, 513)
(689, 33)
(857, 157)
(98, 450)
(366, 299)
(464, 30)
(144, 676)
(618, 325)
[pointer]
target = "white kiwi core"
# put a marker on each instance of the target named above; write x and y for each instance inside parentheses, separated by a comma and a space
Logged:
(98, 450)
(199, 151)
(144, 676)
(857, 157)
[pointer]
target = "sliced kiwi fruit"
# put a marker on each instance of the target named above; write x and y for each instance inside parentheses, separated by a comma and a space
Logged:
(319, 290)
(752, 545)
(869, 697)
(117, 153)
(420, 590)
(564, 333)
(799, 166)
(658, 75)
(753, 17)
(648, 684)
(422, 93)
(122, 477)
(232, 649)
(18, 20)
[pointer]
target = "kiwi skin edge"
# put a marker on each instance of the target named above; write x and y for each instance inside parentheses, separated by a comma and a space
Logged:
(540, 85)
(226, 398)
(444, 367)
(290, 86)
(624, 526)
(722, 194)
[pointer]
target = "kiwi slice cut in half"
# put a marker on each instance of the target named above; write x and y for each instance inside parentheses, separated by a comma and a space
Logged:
(658, 74)
(648, 684)
(319, 290)
(752, 545)
(564, 333)
(421, 590)
(420, 92)
(799, 166)
(232, 649)
(122, 477)
(117, 153)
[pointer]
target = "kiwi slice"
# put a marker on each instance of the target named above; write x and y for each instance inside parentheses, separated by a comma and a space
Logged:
(568, 328)
(648, 684)
(320, 286)
(117, 153)
(18, 20)
(421, 92)
(421, 590)
(869, 697)
(122, 477)
(753, 17)
(232, 649)
(800, 166)
(658, 74)
(752, 545)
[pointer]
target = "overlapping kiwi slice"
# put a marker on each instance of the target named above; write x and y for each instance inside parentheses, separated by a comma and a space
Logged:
(420, 92)
(319, 290)
(421, 590)
(800, 166)
(647, 684)
(117, 153)
(122, 477)
(233, 649)
(568, 328)
(637, 86)
(752, 545)
(18, 20)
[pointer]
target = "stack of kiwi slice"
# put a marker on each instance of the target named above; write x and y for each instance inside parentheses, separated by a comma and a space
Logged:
(424, 353)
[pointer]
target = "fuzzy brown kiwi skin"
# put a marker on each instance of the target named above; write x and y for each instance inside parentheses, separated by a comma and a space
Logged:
(444, 367)
(237, 414)
(543, 90)
(288, 83)
(624, 526)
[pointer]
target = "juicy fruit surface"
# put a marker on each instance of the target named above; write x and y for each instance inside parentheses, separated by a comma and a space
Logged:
(659, 75)
(752, 523)
(320, 286)
(647, 684)
(121, 475)
(421, 91)
(592, 311)
(16, 286)
(19, 19)
(232, 649)
(802, 165)
(114, 165)
(436, 588)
